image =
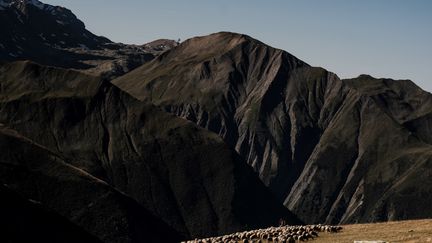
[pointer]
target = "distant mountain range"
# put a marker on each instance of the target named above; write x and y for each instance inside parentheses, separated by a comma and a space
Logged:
(169, 141)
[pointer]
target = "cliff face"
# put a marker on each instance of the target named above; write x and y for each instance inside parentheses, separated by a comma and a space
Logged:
(333, 150)
(184, 175)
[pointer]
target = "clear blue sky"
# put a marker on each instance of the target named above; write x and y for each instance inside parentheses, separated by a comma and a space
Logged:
(384, 38)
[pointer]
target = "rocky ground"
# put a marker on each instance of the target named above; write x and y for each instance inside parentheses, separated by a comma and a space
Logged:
(115, 59)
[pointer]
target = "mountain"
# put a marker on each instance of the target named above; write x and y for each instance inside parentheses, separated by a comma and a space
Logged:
(41, 32)
(334, 151)
(26, 221)
(52, 35)
(238, 89)
(31, 22)
(75, 205)
(169, 141)
(182, 174)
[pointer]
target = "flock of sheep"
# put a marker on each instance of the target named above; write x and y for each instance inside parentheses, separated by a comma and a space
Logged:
(285, 234)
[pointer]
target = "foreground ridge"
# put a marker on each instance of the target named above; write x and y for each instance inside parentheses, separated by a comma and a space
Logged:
(273, 234)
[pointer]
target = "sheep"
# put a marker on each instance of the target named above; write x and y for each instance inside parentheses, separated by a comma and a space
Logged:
(274, 234)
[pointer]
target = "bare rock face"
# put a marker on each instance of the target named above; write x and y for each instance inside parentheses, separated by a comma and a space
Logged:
(184, 175)
(333, 150)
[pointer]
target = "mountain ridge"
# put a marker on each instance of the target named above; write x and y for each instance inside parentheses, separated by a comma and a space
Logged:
(78, 197)
(217, 134)
(54, 36)
(171, 167)
(278, 114)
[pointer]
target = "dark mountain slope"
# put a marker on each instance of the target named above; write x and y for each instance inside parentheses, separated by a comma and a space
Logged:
(404, 101)
(183, 174)
(41, 176)
(361, 168)
(224, 82)
(334, 151)
(26, 221)
(32, 81)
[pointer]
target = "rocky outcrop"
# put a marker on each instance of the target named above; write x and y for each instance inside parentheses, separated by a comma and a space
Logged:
(334, 151)
(183, 174)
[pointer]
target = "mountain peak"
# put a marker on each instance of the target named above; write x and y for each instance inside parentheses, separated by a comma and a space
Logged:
(220, 42)
(35, 3)
(53, 35)
(30, 27)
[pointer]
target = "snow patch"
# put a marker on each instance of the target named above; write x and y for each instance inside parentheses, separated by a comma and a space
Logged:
(60, 22)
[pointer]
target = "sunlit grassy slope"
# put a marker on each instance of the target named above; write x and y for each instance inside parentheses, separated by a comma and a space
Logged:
(400, 231)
